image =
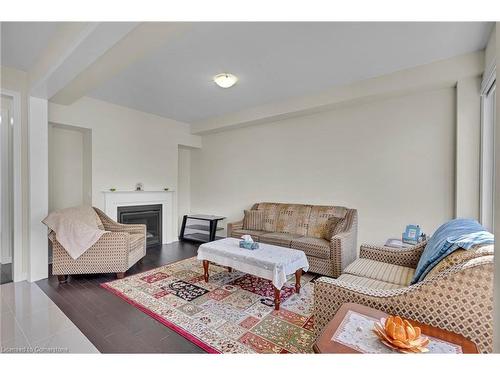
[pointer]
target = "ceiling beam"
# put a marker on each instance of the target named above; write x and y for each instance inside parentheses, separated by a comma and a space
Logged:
(142, 40)
(75, 47)
(443, 73)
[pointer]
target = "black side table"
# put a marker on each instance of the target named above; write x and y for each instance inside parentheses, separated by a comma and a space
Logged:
(208, 230)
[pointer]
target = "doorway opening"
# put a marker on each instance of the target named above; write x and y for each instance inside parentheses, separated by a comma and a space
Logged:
(6, 189)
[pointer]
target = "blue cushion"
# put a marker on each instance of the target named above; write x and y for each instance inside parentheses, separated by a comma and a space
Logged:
(453, 235)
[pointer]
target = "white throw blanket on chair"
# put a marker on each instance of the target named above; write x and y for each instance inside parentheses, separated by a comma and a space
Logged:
(76, 228)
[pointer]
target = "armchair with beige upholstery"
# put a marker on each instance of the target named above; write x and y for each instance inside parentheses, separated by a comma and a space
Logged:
(114, 252)
(457, 295)
(306, 227)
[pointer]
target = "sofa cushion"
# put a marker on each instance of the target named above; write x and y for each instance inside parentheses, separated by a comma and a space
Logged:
(318, 219)
(366, 282)
(237, 233)
(389, 273)
(293, 218)
(311, 246)
(270, 215)
(254, 220)
(278, 239)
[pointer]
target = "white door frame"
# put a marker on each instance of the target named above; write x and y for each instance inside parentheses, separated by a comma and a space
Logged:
(17, 271)
(487, 170)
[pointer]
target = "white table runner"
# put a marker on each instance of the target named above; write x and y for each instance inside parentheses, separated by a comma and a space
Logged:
(355, 331)
(270, 262)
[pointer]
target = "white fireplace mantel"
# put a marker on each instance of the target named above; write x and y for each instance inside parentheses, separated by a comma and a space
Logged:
(115, 199)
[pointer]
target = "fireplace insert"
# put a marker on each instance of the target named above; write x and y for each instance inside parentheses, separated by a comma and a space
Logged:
(150, 215)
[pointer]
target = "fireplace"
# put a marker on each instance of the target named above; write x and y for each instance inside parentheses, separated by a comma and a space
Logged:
(150, 215)
(115, 199)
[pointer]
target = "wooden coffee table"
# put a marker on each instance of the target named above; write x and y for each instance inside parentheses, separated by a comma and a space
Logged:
(325, 344)
(269, 262)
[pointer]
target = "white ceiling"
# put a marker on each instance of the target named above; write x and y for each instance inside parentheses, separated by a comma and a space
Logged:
(274, 61)
(23, 42)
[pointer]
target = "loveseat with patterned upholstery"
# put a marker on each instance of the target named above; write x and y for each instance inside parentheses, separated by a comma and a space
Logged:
(326, 234)
(456, 295)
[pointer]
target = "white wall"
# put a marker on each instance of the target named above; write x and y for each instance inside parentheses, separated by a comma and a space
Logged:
(468, 147)
(128, 146)
(67, 167)
(392, 159)
(38, 153)
(490, 52)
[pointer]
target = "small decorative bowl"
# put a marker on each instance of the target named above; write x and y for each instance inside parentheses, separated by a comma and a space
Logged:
(166, 189)
(400, 335)
(112, 189)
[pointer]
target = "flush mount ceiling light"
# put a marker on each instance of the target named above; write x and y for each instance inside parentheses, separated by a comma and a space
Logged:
(225, 80)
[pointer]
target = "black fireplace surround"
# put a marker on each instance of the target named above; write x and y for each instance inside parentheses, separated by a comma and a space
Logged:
(150, 215)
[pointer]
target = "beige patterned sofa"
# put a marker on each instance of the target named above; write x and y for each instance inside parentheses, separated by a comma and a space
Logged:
(457, 295)
(115, 252)
(304, 227)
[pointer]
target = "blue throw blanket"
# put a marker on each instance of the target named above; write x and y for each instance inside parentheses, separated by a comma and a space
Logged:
(455, 234)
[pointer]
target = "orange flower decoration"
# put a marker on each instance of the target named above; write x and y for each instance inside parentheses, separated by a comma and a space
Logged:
(399, 334)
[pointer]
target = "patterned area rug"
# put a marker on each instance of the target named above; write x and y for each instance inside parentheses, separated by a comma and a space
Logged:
(232, 313)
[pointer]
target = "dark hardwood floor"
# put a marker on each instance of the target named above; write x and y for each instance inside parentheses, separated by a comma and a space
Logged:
(110, 323)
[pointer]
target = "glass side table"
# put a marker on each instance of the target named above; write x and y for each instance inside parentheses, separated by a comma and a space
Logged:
(204, 226)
